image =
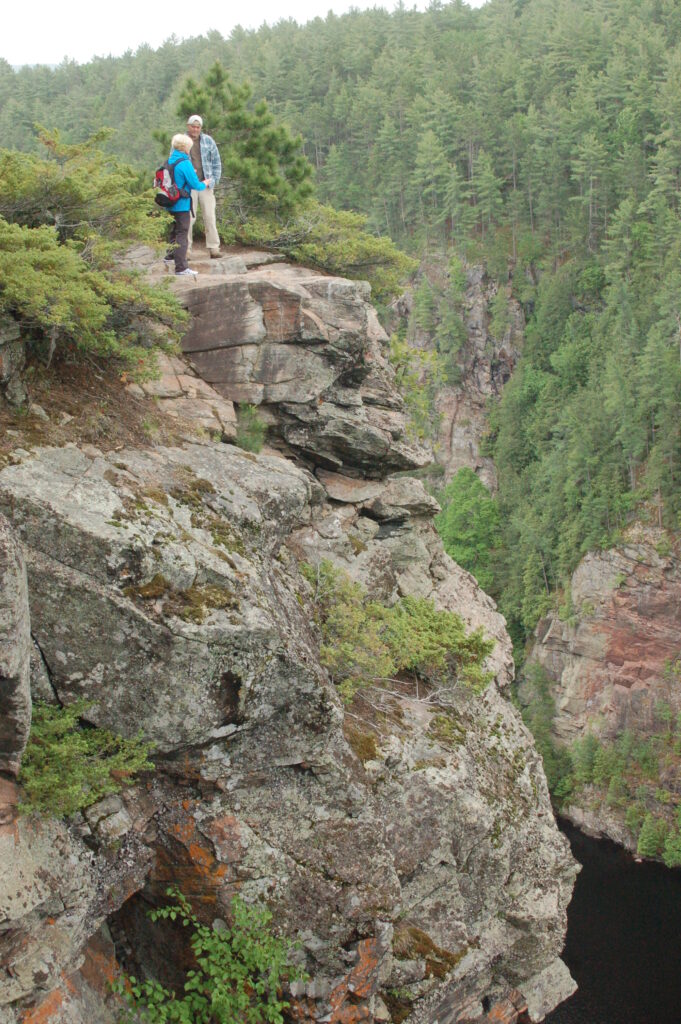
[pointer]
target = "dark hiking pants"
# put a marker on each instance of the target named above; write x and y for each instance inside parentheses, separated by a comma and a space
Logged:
(178, 240)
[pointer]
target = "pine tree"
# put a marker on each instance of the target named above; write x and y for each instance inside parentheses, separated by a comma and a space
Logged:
(652, 837)
(264, 168)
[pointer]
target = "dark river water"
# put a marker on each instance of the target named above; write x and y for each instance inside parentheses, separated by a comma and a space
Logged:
(623, 943)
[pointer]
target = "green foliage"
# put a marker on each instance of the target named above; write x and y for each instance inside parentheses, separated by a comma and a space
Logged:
(431, 642)
(264, 167)
(584, 758)
(419, 373)
(64, 220)
(238, 975)
(652, 837)
(365, 642)
(67, 767)
(425, 306)
(250, 429)
(500, 319)
(337, 241)
(671, 853)
(634, 817)
(470, 526)
(538, 712)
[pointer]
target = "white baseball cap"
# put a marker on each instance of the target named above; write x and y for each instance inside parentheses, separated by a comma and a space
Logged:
(195, 119)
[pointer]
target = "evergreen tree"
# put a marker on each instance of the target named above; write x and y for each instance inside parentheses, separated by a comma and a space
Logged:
(469, 526)
(264, 167)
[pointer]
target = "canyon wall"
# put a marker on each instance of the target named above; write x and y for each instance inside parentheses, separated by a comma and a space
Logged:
(612, 663)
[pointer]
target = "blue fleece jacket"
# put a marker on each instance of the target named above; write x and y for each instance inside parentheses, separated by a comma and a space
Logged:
(185, 177)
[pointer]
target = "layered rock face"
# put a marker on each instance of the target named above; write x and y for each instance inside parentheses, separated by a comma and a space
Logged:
(484, 364)
(612, 663)
(306, 349)
(407, 840)
(610, 660)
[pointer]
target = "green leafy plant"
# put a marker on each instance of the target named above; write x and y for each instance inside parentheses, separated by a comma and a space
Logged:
(239, 974)
(365, 642)
(67, 767)
(419, 374)
(470, 525)
(250, 430)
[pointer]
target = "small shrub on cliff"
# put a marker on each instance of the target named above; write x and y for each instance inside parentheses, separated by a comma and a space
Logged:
(250, 429)
(364, 642)
(238, 976)
(66, 767)
(419, 375)
(337, 241)
(64, 221)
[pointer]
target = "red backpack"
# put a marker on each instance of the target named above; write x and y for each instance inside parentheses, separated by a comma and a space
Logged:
(167, 192)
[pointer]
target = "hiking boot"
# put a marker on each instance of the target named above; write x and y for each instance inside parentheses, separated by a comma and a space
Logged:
(215, 254)
(186, 273)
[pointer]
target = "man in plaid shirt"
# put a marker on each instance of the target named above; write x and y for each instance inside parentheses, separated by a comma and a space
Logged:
(206, 162)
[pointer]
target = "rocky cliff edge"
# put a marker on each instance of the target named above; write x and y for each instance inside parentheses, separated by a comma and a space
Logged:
(406, 839)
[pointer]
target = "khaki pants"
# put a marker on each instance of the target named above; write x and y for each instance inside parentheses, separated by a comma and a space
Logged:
(206, 200)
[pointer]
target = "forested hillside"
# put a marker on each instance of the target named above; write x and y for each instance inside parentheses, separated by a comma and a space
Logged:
(541, 137)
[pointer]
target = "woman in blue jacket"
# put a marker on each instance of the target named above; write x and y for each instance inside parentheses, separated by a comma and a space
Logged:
(185, 178)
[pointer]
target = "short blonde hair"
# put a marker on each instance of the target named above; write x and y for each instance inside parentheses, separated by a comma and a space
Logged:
(182, 142)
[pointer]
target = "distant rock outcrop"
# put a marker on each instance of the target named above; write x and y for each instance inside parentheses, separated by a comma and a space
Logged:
(613, 661)
(484, 363)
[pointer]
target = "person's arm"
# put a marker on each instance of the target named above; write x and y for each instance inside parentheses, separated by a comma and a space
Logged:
(190, 177)
(210, 157)
(217, 165)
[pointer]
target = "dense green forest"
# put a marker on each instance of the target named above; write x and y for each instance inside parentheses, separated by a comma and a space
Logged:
(542, 137)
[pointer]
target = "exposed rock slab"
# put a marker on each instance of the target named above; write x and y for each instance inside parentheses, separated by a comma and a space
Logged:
(99, 529)
(186, 396)
(429, 835)
(15, 653)
(483, 364)
(308, 349)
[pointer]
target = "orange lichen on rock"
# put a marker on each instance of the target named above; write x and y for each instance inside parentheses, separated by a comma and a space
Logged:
(44, 1012)
(187, 858)
(349, 1000)
(100, 967)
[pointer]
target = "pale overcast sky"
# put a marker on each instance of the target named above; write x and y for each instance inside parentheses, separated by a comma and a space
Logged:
(47, 31)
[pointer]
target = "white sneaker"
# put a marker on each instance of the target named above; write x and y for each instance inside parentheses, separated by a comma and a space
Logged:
(186, 273)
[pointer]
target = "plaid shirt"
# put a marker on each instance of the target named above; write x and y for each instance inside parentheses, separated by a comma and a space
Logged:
(210, 159)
